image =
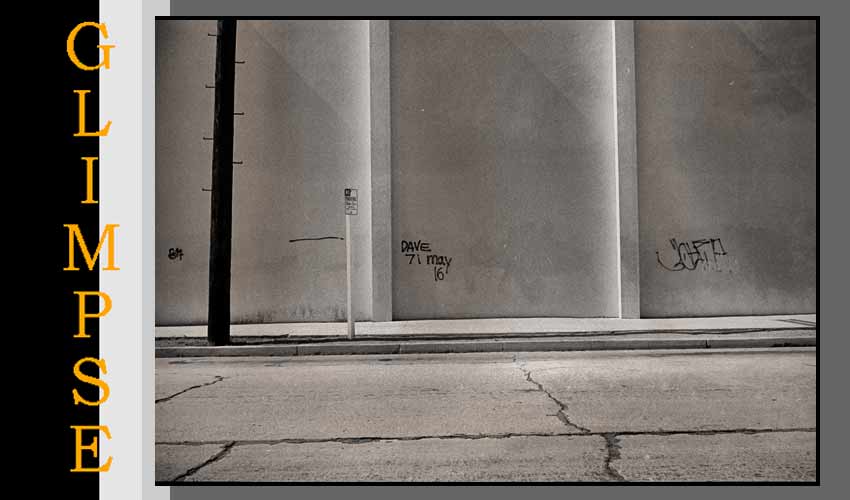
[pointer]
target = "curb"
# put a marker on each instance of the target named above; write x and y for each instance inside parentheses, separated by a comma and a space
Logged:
(508, 345)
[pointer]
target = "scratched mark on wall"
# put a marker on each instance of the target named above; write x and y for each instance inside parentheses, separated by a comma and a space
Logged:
(320, 238)
(703, 254)
(419, 253)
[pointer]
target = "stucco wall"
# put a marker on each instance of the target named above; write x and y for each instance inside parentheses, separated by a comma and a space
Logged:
(185, 62)
(503, 161)
(490, 147)
(303, 138)
(726, 130)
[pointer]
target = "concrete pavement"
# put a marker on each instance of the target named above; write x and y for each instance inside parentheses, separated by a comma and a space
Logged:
(742, 415)
(497, 326)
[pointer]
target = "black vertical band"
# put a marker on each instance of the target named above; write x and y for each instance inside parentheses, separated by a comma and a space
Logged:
(64, 176)
(221, 213)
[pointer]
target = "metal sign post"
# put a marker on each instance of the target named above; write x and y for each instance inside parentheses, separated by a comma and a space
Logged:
(350, 209)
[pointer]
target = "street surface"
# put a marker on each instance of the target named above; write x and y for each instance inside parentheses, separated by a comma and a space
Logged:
(696, 415)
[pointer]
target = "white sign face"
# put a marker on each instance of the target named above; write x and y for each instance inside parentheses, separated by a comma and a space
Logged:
(350, 201)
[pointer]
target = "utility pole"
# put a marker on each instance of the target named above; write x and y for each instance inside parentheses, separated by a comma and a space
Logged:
(221, 212)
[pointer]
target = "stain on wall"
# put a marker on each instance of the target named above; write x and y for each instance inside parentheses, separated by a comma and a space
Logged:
(503, 161)
(726, 130)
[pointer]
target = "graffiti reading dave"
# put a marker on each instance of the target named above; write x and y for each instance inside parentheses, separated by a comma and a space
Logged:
(690, 255)
(419, 253)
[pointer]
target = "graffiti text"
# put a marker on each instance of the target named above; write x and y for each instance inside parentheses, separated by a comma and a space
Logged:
(694, 254)
(175, 253)
(414, 250)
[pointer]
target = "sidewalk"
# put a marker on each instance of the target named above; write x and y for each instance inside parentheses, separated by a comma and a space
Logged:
(495, 335)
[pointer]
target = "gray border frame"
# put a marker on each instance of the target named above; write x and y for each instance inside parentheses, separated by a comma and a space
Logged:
(833, 81)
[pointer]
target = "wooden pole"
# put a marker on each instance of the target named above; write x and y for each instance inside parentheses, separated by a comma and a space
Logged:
(221, 203)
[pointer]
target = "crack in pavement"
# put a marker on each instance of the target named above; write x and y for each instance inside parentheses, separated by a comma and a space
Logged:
(218, 379)
(708, 432)
(562, 408)
(373, 439)
(367, 439)
(612, 448)
(215, 458)
(612, 443)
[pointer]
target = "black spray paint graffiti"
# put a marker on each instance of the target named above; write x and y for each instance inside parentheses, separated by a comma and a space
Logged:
(413, 251)
(175, 253)
(695, 254)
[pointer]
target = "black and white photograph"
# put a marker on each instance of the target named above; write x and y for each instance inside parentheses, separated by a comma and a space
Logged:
(480, 250)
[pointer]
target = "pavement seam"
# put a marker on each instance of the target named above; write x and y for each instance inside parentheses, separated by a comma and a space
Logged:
(562, 407)
(215, 458)
(612, 449)
(373, 439)
(366, 439)
(218, 378)
(710, 432)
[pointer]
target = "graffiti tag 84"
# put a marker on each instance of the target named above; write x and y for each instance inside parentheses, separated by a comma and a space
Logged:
(175, 253)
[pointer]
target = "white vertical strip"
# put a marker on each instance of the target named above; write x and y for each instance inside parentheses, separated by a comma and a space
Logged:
(150, 9)
(120, 203)
(380, 171)
(617, 168)
(126, 198)
(367, 221)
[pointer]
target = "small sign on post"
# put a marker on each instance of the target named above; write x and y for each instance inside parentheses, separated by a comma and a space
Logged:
(350, 201)
(350, 209)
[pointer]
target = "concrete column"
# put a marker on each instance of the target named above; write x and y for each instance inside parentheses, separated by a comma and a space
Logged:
(626, 164)
(382, 264)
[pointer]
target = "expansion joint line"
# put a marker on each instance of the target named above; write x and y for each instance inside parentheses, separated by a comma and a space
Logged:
(615, 436)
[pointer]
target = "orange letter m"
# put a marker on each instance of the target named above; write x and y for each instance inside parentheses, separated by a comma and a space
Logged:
(106, 235)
